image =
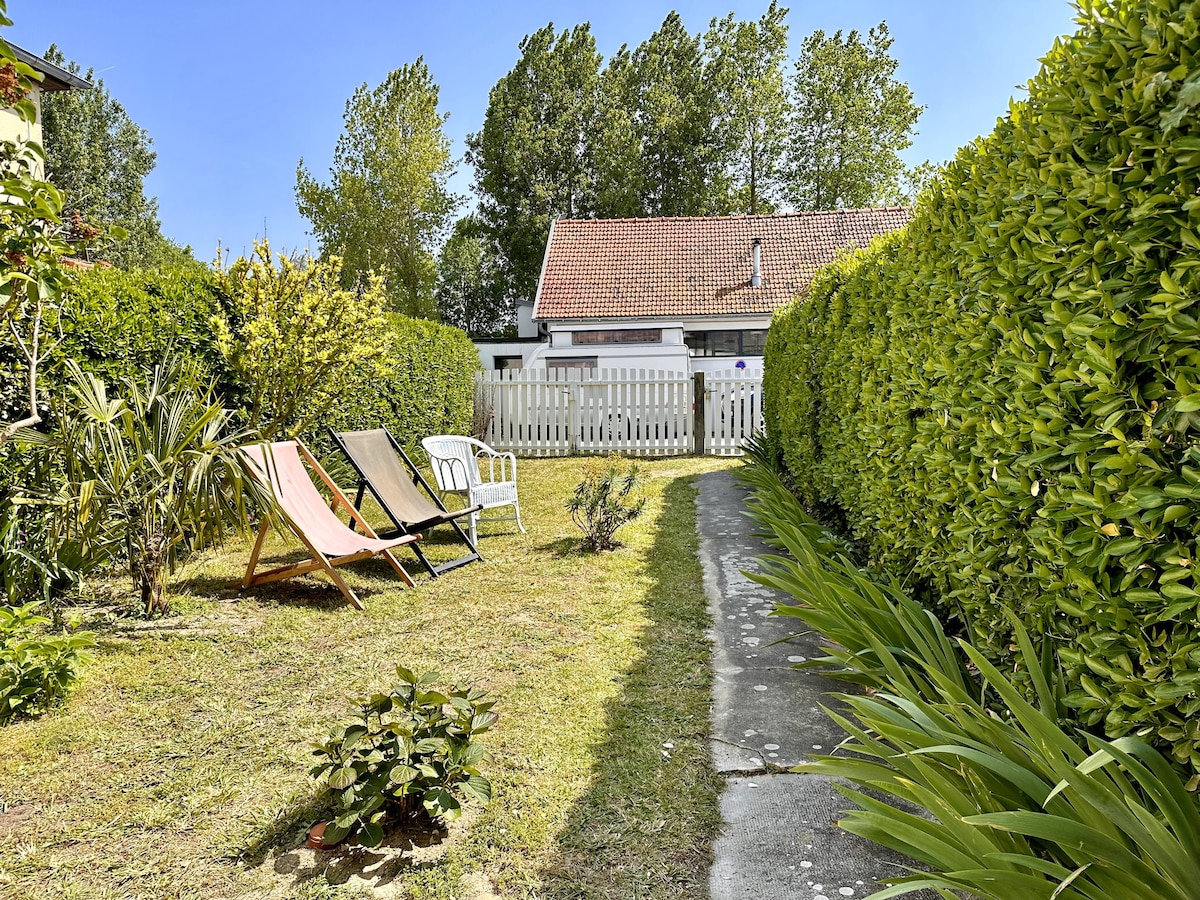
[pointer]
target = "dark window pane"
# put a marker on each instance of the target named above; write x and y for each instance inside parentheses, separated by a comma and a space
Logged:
(754, 342)
(572, 362)
(618, 336)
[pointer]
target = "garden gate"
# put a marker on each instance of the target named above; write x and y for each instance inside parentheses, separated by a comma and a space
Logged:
(559, 412)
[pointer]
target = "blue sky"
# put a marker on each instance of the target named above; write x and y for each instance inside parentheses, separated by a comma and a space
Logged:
(235, 93)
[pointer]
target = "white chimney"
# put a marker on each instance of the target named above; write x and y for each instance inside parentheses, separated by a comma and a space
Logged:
(756, 278)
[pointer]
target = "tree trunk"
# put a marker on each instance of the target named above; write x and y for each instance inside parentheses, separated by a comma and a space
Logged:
(151, 575)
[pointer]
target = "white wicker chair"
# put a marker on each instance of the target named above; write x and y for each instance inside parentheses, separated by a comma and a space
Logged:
(472, 469)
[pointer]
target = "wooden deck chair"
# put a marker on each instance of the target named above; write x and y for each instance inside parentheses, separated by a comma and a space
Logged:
(386, 471)
(331, 542)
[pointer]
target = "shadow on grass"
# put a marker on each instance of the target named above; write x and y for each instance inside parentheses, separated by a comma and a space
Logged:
(281, 842)
(563, 548)
(646, 826)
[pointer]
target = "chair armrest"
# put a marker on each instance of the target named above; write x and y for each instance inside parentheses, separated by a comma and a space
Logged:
(507, 465)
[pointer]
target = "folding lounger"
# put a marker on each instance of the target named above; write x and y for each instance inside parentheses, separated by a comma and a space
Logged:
(386, 471)
(331, 542)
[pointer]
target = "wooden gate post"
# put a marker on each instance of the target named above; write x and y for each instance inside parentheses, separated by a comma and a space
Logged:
(698, 404)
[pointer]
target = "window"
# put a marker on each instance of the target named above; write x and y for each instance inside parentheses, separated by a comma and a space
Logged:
(749, 342)
(618, 336)
(571, 362)
(754, 342)
(504, 363)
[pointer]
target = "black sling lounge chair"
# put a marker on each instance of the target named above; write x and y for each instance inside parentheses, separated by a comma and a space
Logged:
(385, 470)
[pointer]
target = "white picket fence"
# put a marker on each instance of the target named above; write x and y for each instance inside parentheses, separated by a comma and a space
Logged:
(559, 412)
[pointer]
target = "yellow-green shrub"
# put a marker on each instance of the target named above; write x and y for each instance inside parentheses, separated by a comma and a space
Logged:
(1004, 398)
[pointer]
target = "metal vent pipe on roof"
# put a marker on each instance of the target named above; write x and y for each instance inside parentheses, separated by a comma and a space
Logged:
(756, 278)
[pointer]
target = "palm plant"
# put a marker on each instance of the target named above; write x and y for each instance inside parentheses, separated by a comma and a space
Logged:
(149, 475)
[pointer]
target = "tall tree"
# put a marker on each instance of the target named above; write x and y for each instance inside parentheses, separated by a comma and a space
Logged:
(387, 202)
(851, 118)
(471, 291)
(675, 121)
(531, 156)
(99, 157)
(616, 152)
(747, 64)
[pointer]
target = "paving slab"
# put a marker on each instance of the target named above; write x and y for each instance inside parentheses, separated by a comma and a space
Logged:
(765, 712)
(781, 842)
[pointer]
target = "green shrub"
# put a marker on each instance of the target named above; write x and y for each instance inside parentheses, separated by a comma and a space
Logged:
(120, 324)
(1019, 804)
(36, 669)
(37, 562)
(605, 500)
(302, 344)
(1003, 400)
(409, 751)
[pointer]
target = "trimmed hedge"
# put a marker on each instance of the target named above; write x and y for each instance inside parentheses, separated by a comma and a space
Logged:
(1004, 398)
(118, 323)
(430, 389)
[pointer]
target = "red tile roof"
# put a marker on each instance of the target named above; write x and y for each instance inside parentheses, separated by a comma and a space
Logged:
(638, 268)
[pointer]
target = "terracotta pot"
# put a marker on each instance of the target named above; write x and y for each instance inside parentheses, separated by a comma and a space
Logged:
(316, 837)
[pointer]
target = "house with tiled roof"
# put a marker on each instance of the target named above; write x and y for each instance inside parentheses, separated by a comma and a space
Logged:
(677, 294)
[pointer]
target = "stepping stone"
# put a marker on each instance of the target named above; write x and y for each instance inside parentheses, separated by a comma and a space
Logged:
(781, 842)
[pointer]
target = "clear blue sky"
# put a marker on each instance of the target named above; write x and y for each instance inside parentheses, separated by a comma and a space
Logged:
(235, 93)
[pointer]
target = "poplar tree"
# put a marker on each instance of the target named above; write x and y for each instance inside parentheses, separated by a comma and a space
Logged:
(531, 157)
(387, 203)
(850, 120)
(471, 292)
(99, 158)
(747, 64)
(675, 125)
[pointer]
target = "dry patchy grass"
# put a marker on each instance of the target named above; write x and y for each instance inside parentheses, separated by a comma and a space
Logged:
(179, 769)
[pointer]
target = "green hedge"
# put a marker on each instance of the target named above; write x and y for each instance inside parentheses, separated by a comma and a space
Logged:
(1004, 398)
(118, 323)
(430, 389)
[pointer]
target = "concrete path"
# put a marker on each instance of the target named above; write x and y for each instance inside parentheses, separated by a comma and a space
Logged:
(780, 840)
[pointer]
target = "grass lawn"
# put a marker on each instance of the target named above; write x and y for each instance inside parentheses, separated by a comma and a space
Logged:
(179, 768)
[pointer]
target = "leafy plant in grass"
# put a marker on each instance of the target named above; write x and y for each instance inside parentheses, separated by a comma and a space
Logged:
(411, 750)
(149, 475)
(1019, 804)
(605, 500)
(36, 669)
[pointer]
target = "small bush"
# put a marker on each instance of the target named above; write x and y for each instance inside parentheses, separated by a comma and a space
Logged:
(409, 751)
(299, 342)
(36, 669)
(605, 500)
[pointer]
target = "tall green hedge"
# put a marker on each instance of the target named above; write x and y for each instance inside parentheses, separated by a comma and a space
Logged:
(1004, 398)
(430, 389)
(117, 322)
